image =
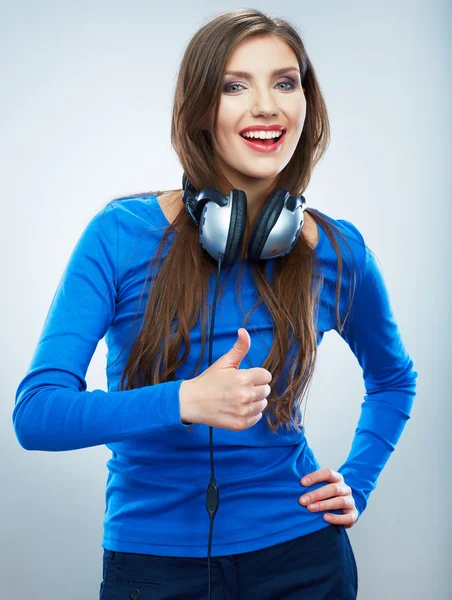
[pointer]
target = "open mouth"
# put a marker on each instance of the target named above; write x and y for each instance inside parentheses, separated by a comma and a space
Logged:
(264, 143)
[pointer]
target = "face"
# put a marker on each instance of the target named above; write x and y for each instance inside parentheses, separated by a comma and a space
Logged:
(260, 98)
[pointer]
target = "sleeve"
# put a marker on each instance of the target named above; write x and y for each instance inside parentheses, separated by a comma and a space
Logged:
(53, 411)
(373, 336)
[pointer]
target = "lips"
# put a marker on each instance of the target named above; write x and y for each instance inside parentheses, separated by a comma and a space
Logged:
(263, 140)
(261, 145)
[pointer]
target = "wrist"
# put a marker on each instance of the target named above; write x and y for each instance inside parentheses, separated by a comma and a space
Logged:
(187, 415)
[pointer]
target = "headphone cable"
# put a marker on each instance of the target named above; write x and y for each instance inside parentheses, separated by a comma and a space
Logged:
(212, 491)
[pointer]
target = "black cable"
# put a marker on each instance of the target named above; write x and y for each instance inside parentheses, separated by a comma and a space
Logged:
(212, 491)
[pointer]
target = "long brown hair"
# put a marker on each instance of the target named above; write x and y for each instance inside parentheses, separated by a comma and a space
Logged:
(178, 294)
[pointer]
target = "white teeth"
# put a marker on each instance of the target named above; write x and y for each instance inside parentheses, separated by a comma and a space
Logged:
(262, 134)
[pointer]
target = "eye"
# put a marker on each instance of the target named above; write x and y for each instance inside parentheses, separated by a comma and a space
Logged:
(287, 81)
(291, 82)
(227, 86)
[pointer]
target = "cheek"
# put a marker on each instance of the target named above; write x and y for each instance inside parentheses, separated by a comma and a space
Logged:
(231, 113)
(225, 133)
(301, 116)
(296, 112)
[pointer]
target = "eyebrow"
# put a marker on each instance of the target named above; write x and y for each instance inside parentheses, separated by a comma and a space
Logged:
(250, 76)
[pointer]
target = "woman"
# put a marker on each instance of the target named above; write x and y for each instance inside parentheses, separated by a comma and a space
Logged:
(241, 70)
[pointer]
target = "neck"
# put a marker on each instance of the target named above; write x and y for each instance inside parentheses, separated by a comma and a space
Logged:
(257, 192)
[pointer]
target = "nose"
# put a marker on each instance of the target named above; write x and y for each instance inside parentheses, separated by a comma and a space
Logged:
(263, 104)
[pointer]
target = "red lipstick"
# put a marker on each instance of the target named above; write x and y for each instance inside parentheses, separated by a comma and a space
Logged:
(264, 145)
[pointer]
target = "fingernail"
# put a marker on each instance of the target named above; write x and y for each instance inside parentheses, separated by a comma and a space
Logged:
(305, 499)
(305, 481)
(313, 506)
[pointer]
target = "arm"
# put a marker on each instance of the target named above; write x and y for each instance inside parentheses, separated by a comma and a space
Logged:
(53, 410)
(389, 378)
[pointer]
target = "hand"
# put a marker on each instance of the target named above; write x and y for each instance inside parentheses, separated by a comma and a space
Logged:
(338, 492)
(225, 396)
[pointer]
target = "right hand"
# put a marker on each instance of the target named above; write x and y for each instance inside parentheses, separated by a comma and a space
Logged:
(225, 396)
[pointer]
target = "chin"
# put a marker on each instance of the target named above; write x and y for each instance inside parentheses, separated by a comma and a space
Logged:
(264, 174)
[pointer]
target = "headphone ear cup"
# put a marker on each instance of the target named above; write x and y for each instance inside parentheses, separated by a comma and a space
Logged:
(236, 228)
(265, 223)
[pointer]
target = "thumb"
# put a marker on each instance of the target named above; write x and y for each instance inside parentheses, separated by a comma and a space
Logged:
(237, 353)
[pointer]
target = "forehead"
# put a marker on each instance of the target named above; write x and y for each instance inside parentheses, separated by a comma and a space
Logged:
(261, 53)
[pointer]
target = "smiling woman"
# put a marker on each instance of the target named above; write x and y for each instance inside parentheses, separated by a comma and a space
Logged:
(258, 99)
(273, 277)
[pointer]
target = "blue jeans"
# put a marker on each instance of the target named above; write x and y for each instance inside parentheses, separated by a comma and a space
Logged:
(317, 566)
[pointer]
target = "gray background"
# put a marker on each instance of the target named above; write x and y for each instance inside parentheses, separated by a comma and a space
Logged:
(85, 117)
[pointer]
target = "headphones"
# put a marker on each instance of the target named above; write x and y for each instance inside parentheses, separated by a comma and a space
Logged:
(222, 219)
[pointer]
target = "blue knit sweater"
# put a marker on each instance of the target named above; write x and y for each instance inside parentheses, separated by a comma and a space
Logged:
(159, 467)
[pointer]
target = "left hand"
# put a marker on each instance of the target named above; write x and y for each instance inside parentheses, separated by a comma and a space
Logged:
(338, 492)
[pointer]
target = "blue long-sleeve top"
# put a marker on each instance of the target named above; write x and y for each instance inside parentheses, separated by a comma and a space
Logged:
(160, 467)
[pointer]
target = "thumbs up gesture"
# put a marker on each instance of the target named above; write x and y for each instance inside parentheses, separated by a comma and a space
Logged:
(225, 396)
